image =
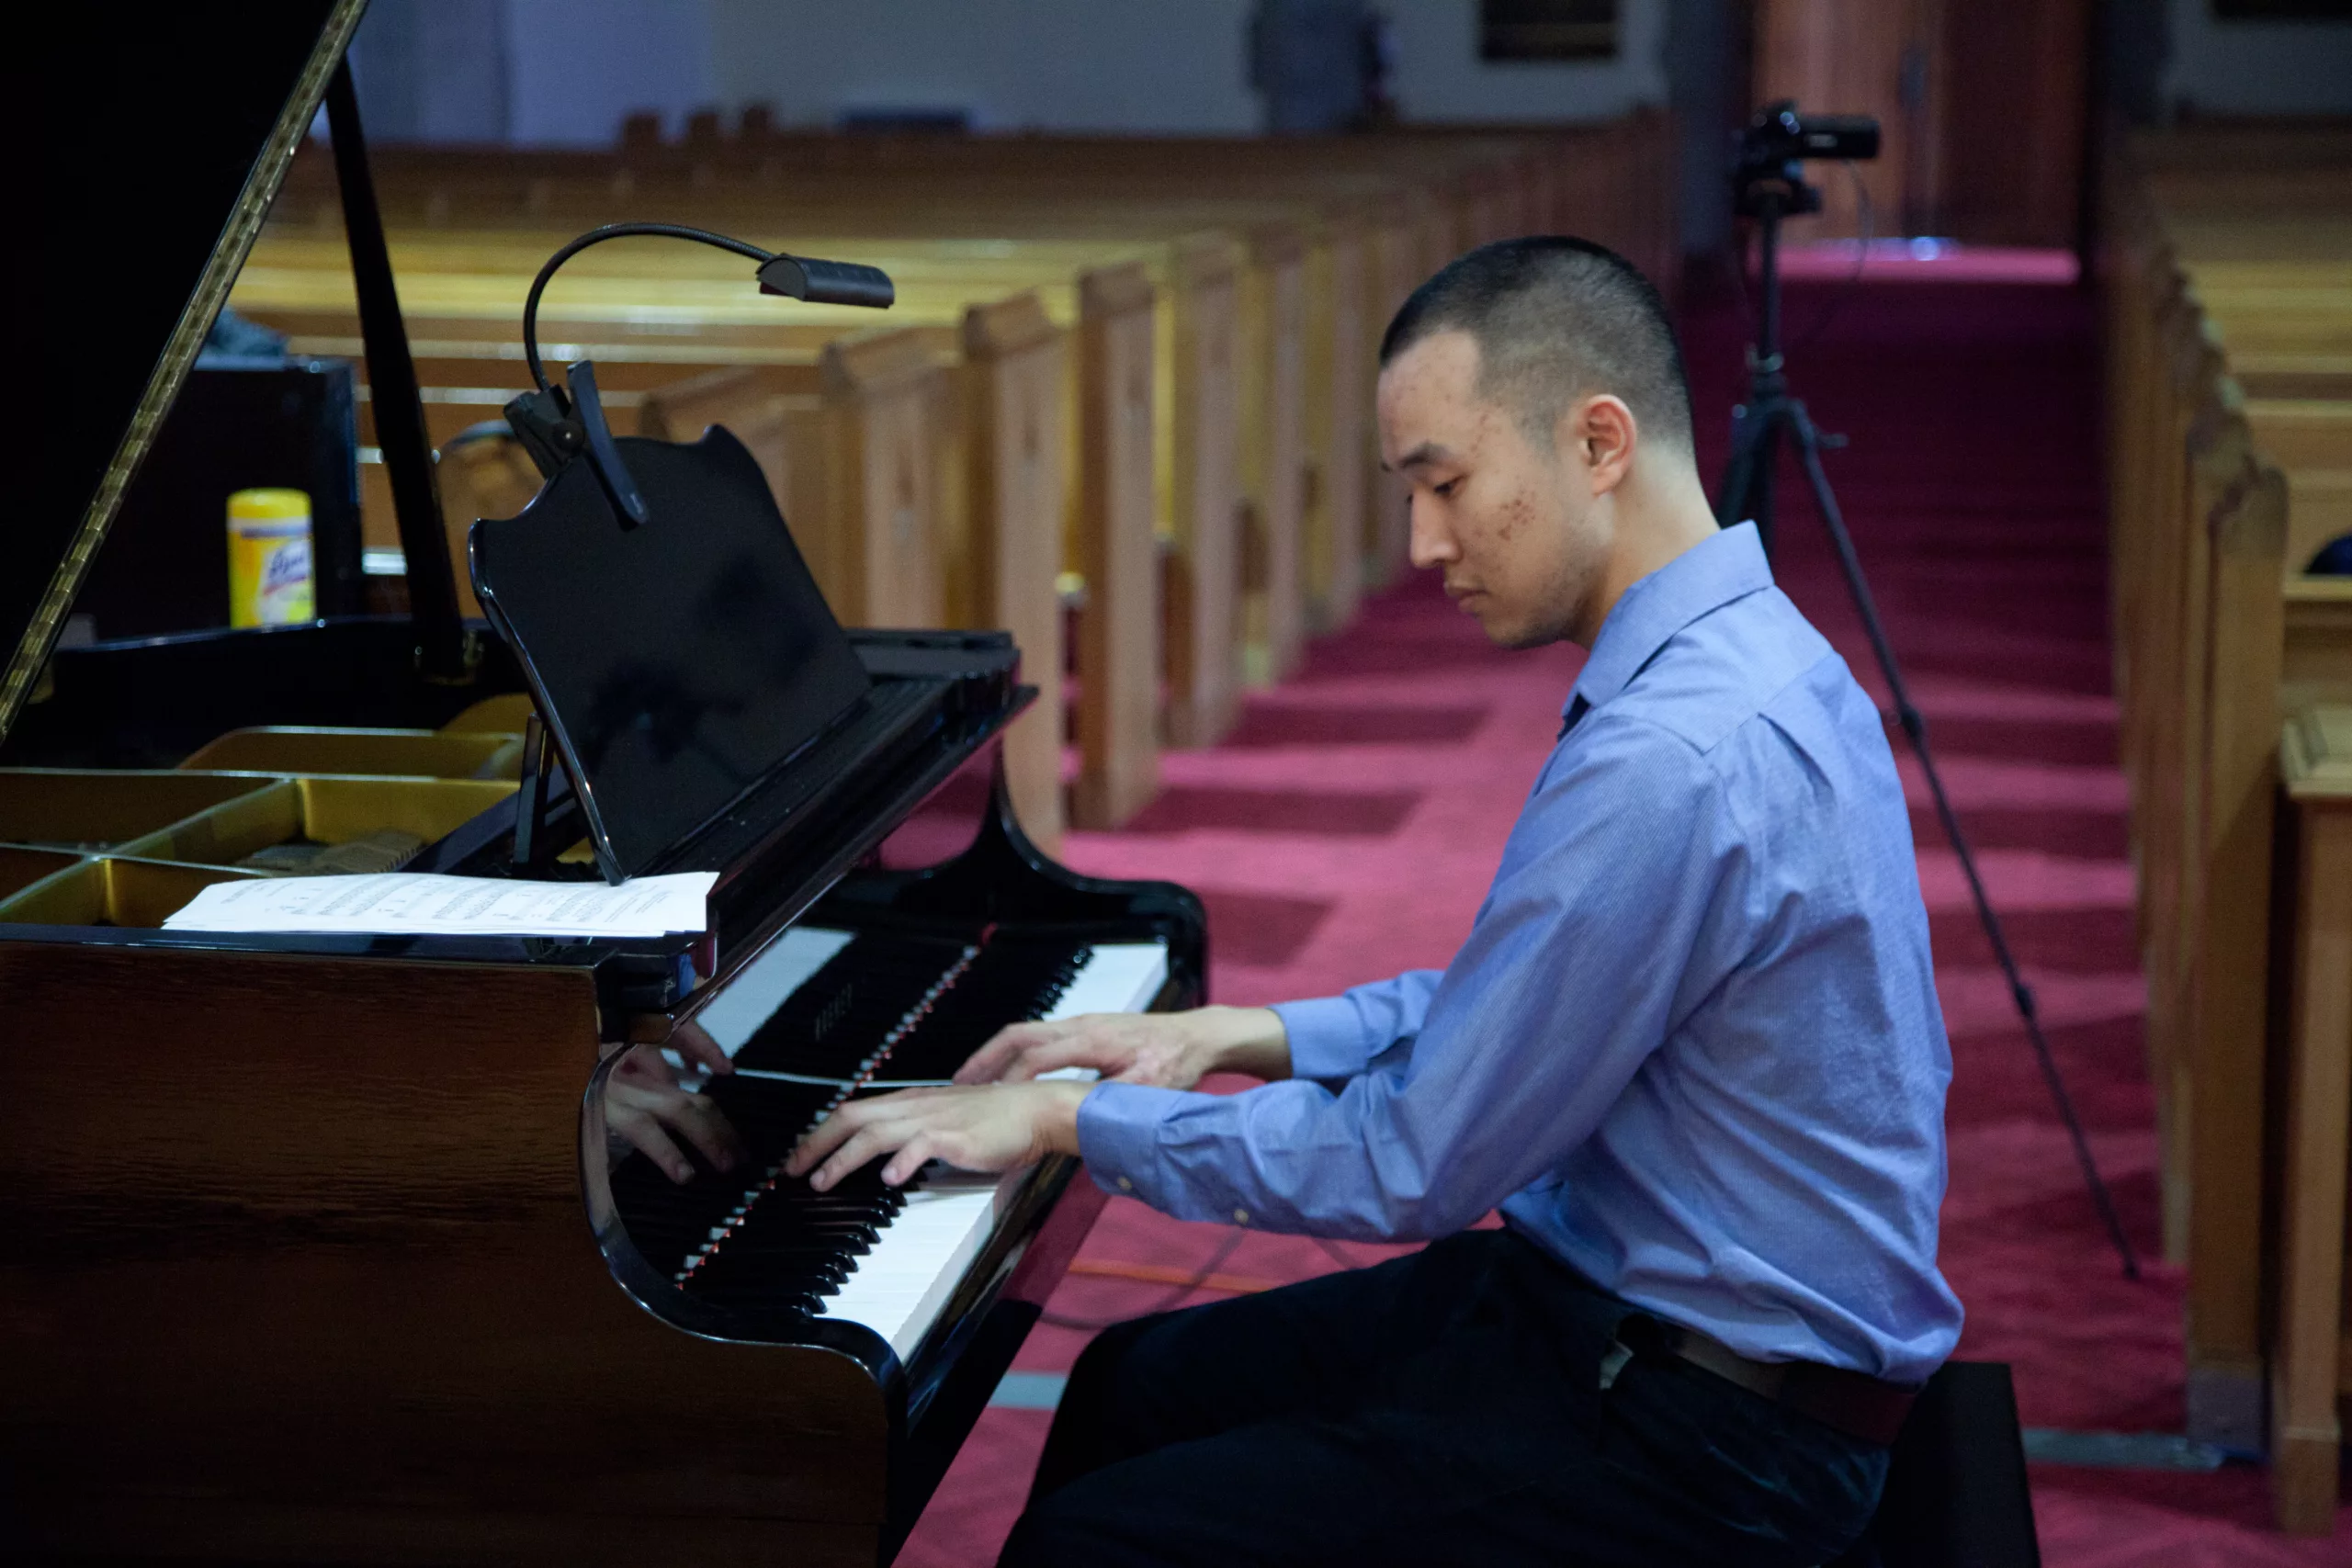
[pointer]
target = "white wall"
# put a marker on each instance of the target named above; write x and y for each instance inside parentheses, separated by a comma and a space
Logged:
(2256, 67)
(1131, 65)
(434, 73)
(1169, 66)
(581, 65)
(1440, 77)
(573, 69)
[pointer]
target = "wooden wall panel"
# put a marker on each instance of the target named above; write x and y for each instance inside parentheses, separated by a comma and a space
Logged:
(2010, 104)
(1981, 110)
(1846, 57)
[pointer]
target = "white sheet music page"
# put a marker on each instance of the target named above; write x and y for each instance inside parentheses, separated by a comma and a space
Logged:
(420, 904)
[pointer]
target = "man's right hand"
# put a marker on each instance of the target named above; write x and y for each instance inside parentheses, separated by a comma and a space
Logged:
(1166, 1050)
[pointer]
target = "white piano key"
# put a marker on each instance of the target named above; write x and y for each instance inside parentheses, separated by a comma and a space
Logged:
(1119, 976)
(898, 1288)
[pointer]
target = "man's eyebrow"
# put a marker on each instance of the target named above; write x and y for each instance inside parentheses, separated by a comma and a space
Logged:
(1426, 452)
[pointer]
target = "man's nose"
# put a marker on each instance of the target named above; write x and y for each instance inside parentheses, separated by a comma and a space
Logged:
(1431, 543)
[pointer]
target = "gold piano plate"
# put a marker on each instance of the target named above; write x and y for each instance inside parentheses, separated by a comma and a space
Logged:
(89, 809)
(505, 714)
(325, 810)
(20, 868)
(396, 753)
(110, 890)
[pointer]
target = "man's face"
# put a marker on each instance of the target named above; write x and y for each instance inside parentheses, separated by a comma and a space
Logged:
(1512, 521)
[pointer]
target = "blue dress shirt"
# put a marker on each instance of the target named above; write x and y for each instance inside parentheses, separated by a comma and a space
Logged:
(1691, 1047)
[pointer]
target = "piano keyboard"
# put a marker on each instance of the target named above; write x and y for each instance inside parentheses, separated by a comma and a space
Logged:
(823, 1016)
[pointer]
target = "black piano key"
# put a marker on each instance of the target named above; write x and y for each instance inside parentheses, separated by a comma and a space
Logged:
(779, 1222)
(776, 1296)
(847, 1239)
(735, 1254)
(793, 1237)
(768, 1114)
(806, 1264)
(666, 1220)
(771, 1297)
(785, 1240)
(1010, 980)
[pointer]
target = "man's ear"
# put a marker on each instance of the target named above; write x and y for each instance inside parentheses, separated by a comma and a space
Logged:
(1602, 433)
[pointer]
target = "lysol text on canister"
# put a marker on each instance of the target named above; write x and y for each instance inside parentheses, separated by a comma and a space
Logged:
(269, 559)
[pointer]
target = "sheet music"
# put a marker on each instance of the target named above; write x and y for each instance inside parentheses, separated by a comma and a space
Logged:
(419, 904)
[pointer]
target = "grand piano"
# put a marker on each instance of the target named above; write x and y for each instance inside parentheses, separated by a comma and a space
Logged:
(328, 1248)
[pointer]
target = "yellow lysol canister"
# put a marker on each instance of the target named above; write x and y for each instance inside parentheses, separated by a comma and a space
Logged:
(269, 559)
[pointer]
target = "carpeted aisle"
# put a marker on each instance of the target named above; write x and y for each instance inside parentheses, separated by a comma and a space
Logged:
(1348, 827)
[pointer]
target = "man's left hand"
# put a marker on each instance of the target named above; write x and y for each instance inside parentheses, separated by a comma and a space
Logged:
(988, 1127)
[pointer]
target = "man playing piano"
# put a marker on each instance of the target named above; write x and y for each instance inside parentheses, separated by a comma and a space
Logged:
(1690, 1050)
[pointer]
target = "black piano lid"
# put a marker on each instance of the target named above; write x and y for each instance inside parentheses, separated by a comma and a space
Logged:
(161, 138)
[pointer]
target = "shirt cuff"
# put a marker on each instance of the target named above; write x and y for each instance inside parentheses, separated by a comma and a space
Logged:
(1118, 1135)
(1326, 1038)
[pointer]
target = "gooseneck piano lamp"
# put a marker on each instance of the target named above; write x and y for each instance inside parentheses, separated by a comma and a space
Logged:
(557, 424)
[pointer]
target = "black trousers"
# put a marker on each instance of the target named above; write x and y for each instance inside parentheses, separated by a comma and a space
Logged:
(1444, 1408)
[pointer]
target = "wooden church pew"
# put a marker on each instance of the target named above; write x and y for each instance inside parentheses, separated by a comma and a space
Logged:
(2218, 500)
(2315, 952)
(1118, 551)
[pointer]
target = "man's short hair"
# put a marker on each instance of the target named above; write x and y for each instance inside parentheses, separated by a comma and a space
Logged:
(1555, 318)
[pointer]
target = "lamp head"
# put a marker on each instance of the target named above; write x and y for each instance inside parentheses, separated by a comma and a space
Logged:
(827, 282)
(557, 424)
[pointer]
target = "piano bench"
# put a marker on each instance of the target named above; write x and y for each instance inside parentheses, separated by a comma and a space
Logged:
(1956, 1494)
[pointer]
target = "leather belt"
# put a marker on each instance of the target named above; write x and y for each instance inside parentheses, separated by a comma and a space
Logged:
(1853, 1403)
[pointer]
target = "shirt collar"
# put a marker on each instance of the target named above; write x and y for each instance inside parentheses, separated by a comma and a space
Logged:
(1706, 577)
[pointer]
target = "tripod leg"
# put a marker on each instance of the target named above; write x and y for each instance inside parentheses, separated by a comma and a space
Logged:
(1739, 470)
(1747, 493)
(1809, 455)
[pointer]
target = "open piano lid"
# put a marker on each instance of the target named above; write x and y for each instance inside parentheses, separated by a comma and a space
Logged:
(162, 139)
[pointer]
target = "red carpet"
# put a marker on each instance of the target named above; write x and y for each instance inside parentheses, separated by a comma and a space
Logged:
(1349, 828)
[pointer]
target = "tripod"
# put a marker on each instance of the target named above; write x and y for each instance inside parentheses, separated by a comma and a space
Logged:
(1757, 426)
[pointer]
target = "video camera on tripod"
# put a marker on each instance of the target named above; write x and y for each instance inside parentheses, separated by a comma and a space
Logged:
(1767, 153)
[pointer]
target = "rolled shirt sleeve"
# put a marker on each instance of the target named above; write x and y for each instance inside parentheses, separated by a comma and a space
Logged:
(1593, 941)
